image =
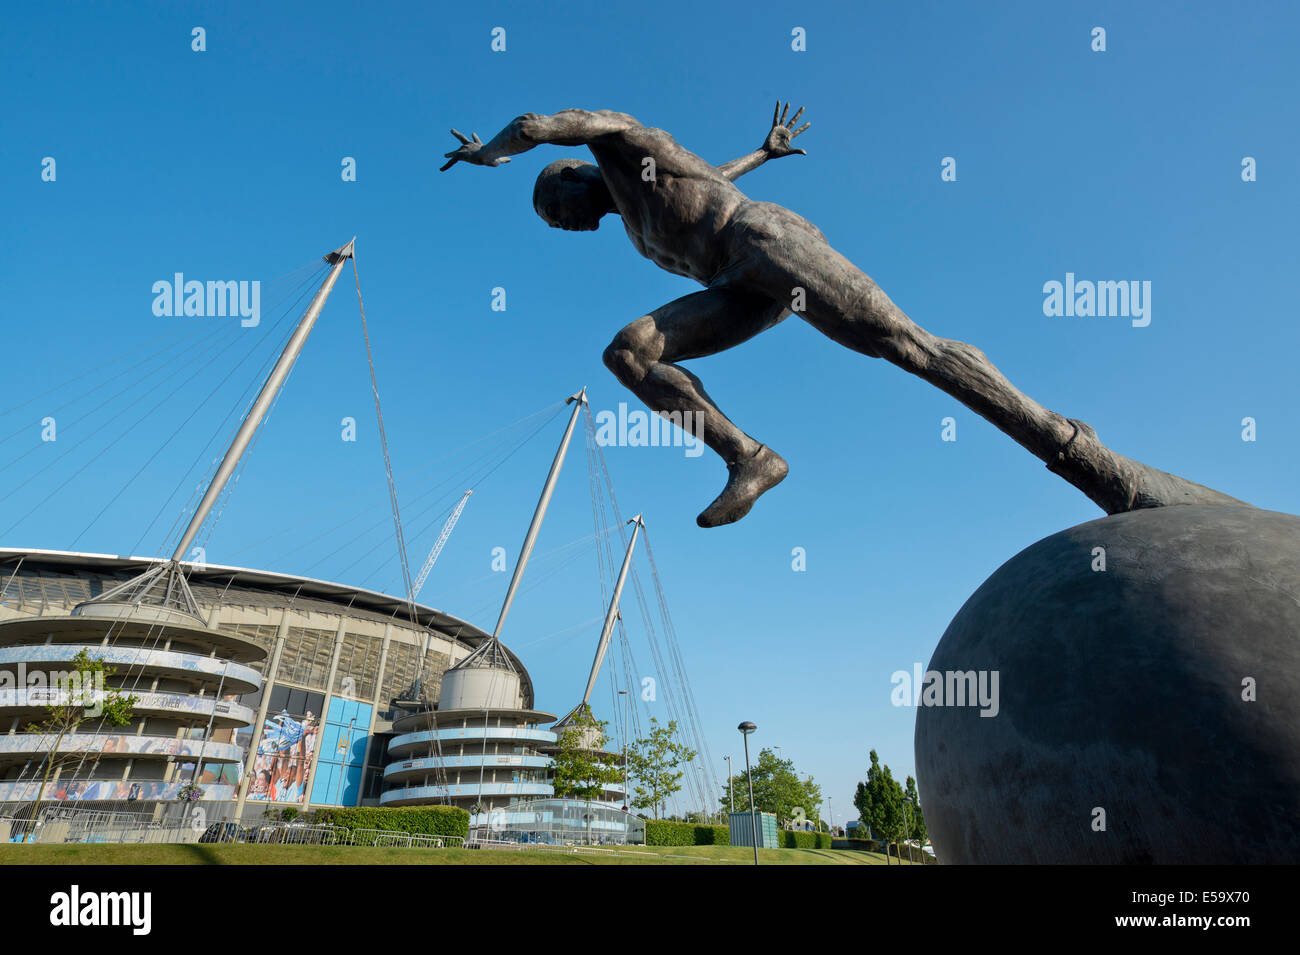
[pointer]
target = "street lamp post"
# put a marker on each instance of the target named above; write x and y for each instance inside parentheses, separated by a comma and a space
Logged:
(745, 729)
(627, 721)
(731, 791)
(776, 751)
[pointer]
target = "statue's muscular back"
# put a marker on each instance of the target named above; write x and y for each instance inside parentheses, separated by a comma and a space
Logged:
(675, 219)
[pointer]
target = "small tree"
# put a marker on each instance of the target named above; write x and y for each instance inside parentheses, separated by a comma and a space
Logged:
(77, 695)
(577, 767)
(880, 802)
(653, 762)
(777, 789)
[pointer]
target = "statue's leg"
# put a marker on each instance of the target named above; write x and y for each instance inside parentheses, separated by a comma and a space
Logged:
(644, 354)
(776, 252)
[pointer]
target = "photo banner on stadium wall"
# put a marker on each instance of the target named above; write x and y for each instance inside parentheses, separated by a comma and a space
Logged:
(110, 744)
(77, 790)
(282, 770)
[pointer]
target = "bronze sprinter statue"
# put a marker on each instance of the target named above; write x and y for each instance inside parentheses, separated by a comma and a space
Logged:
(759, 263)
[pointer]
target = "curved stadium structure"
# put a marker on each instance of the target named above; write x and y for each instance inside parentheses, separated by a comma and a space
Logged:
(285, 681)
(481, 748)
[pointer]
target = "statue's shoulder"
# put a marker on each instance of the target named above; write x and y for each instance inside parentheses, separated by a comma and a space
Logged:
(667, 151)
(638, 134)
(635, 144)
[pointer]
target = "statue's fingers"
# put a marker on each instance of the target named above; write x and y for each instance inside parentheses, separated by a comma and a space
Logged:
(776, 113)
(459, 135)
(799, 130)
(477, 140)
(448, 165)
(783, 112)
(795, 118)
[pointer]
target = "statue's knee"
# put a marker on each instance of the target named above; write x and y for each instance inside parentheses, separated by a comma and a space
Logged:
(967, 354)
(621, 358)
(633, 350)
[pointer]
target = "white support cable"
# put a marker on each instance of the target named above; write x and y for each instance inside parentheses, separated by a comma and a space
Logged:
(670, 669)
(167, 441)
(383, 444)
(674, 647)
(605, 563)
(463, 476)
(175, 370)
(246, 398)
(144, 356)
(285, 362)
(375, 527)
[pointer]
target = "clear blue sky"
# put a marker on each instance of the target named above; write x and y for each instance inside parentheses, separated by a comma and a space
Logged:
(226, 165)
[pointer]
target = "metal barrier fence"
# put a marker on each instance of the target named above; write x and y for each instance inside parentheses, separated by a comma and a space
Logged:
(642, 854)
(559, 822)
(66, 826)
(386, 837)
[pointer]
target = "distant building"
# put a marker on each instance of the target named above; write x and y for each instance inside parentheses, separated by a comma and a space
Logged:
(855, 829)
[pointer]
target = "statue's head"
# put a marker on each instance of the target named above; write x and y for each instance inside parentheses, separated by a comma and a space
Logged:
(571, 194)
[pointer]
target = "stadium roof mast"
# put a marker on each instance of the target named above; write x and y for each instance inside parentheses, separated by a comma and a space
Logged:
(490, 654)
(162, 590)
(602, 645)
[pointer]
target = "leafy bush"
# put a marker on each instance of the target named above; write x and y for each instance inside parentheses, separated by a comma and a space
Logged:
(424, 820)
(660, 833)
(799, 839)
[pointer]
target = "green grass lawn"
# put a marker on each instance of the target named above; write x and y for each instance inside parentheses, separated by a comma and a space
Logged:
(195, 854)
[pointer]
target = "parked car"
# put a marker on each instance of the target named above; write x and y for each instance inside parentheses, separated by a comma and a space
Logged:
(220, 832)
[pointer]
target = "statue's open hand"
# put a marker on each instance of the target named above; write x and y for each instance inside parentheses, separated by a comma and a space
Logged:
(469, 152)
(778, 142)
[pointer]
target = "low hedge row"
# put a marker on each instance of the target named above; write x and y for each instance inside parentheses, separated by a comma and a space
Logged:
(801, 839)
(663, 833)
(867, 845)
(424, 820)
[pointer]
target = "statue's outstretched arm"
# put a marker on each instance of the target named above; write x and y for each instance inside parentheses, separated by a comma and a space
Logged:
(775, 146)
(568, 127)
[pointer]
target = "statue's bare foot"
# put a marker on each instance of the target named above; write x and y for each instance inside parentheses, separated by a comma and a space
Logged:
(1118, 484)
(750, 477)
